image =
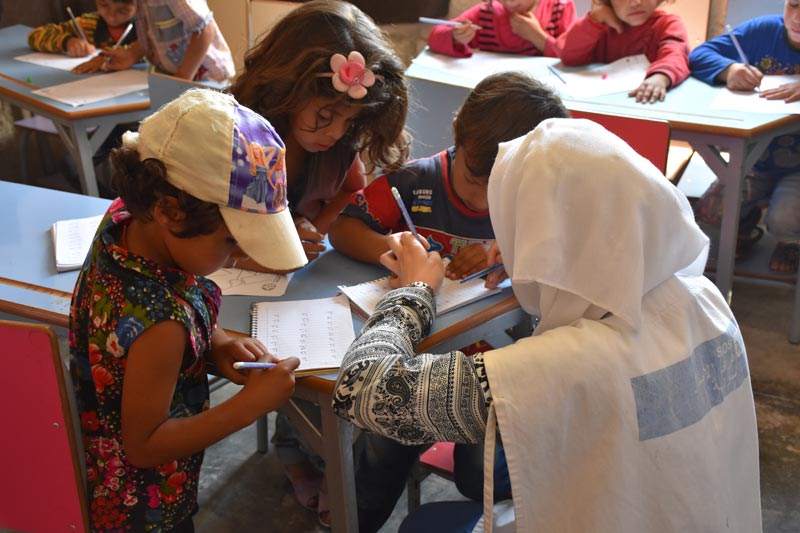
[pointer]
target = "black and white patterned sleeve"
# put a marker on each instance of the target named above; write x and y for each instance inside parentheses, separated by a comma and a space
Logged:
(385, 388)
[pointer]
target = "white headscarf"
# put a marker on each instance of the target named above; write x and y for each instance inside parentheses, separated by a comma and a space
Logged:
(630, 408)
(596, 226)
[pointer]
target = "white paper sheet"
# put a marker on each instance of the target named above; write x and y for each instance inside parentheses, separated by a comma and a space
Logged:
(96, 88)
(752, 102)
(59, 61)
(473, 69)
(72, 239)
(235, 281)
(319, 332)
(622, 75)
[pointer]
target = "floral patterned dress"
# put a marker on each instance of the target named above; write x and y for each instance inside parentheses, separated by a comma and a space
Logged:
(117, 297)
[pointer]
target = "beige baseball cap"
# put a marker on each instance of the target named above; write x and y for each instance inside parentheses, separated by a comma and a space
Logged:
(222, 152)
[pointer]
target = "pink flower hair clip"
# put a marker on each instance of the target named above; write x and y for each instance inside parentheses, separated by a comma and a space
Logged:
(351, 75)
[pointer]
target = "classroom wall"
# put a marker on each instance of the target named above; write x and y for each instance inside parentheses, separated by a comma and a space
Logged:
(741, 10)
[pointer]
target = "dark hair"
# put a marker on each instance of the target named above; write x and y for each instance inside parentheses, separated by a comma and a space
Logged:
(608, 2)
(143, 184)
(282, 72)
(500, 108)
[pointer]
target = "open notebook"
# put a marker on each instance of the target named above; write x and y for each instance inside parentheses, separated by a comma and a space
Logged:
(453, 294)
(319, 332)
(72, 240)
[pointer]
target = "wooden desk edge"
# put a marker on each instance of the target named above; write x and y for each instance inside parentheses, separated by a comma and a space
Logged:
(71, 115)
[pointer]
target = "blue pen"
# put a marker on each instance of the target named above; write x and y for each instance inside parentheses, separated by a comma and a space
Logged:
(403, 210)
(481, 273)
(244, 365)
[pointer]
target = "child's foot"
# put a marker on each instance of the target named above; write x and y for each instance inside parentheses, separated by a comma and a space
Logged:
(306, 481)
(785, 257)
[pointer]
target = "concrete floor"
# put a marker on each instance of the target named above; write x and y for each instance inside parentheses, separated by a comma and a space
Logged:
(242, 490)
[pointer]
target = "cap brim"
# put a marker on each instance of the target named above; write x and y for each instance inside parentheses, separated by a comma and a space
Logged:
(271, 240)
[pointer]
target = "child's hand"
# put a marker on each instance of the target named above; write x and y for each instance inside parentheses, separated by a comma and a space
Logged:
(604, 14)
(227, 350)
(77, 47)
(738, 77)
(119, 58)
(467, 261)
(312, 239)
(95, 64)
(493, 257)
(527, 26)
(464, 32)
(653, 89)
(409, 261)
(788, 92)
(267, 390)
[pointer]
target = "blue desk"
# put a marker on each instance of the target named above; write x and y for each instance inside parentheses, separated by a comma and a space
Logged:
(31, 288)
(73, 123)
(713, 133)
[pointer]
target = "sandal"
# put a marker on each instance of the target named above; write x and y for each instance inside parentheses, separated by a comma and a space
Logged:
(324, 506)
(306, 488)
(745, 243)
(785, 257)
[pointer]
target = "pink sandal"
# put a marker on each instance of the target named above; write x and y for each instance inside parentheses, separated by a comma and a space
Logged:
(306, 490)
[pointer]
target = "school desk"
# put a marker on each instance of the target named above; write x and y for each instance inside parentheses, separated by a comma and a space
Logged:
(729, 141)
(75, 125)
(31, 288)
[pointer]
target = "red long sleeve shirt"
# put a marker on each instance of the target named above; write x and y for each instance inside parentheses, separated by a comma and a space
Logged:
(663, 39)
(495, 35)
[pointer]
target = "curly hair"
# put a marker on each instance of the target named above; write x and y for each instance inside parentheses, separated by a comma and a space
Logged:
(283, 72)
(500, 108)
(143, 185)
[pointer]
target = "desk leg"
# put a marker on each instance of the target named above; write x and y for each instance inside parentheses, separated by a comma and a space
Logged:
(79, 145)
(742, 155)
(339, 473)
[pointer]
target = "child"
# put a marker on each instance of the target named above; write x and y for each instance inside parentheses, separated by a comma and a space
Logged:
(446, 197)
(528, 27)
(772, 45)
(330, 82)
(611, 420)
(102, 29)
(614, 29)
(445, 194)
(143, 318)
(181, 38)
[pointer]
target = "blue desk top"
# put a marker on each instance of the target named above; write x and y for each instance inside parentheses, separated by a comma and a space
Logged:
(14, 75)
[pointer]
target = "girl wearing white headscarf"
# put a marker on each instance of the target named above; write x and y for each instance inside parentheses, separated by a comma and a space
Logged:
(629, 408)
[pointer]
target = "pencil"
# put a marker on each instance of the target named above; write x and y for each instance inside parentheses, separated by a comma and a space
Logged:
(481, 273)
(77, 26)
(242, 365)
(556, 74)
(404, 211)
(119, 41)
(444, 22)
(738, 47)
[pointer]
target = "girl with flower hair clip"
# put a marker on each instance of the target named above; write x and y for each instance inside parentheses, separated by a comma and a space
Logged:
(331, 83)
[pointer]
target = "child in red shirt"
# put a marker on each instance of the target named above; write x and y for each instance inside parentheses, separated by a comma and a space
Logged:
(527, 27)
(614, 29)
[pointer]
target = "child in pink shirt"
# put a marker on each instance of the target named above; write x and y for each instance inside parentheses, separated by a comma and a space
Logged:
(527, 27)
(614, 29)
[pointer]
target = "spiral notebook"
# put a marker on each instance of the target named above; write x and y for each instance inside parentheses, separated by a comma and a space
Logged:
(319, 332)
(453, 294)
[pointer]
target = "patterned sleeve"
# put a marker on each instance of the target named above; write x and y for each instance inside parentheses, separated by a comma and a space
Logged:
(52, 38)
(383, 387)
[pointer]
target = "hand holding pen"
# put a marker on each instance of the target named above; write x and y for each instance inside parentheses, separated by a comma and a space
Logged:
(78, 46)
(122, 37)
(741, 76)
(496, 274)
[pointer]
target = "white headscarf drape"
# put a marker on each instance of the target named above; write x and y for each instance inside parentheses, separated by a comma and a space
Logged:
(630, 408)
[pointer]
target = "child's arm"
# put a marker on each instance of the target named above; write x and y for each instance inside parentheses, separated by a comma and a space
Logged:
(123, 58)
(788, 92)
(672, 59)
(717, 61)
(527, 26)
(354, 238)
(355, 180)
(199, 44)
(455, 40)
(565, 22)
(150, 436)
(60, 38)
(578, 45)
